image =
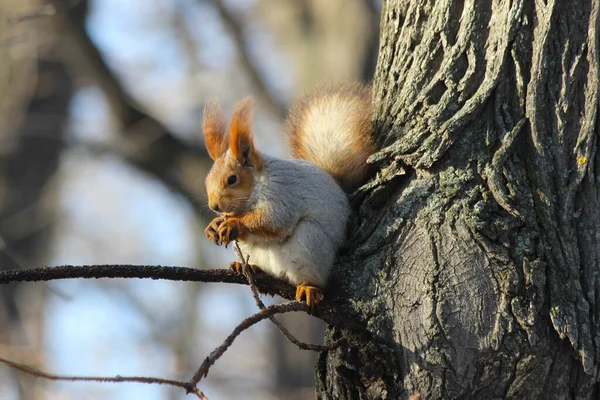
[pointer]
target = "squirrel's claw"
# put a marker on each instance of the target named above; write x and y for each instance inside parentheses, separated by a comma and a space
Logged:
(228, 231)
(238, 267)
(212, 230)
(312, 295)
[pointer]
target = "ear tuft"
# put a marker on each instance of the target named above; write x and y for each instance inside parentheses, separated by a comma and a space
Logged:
(215, 134)
(240, 133)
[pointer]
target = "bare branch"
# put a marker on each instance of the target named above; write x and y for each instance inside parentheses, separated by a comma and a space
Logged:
(291, 306)
(137, 379)
(248, 273)
(329, 311)
(266, 284)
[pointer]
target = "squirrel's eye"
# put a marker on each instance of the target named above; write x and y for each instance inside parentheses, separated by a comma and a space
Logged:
(231, 180)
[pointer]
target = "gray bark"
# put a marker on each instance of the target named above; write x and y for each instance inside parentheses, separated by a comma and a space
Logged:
(472, 267)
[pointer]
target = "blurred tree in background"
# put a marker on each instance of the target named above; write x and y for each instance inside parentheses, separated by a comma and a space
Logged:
(101, 161)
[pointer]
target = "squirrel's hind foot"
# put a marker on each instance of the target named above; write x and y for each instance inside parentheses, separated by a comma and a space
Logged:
(238, 267)
(312, 295)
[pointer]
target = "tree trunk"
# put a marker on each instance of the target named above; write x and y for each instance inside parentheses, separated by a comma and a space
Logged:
(472, 267)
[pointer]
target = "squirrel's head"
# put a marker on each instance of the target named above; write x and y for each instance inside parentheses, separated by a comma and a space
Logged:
(231, 179)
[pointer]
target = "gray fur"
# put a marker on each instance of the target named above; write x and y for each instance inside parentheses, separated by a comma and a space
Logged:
(298, 196)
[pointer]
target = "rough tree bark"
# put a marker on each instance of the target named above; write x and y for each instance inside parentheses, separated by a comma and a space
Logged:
(472, 268)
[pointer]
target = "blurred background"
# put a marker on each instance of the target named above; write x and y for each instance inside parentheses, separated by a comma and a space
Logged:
(102, 162)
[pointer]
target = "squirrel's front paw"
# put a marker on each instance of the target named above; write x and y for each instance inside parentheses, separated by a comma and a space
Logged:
(229, 230)
(212, 230)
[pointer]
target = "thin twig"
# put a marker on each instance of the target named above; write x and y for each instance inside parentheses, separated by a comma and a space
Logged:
(266, 284)
(137, 379)
(248, 273)
(291, 306)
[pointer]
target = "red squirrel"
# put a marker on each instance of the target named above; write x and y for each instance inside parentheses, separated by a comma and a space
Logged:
(289, 216)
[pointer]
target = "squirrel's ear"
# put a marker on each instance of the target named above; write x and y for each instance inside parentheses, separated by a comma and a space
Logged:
(215, 134)
(240, 133)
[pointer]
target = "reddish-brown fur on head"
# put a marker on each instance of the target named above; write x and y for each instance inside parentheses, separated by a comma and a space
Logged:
(242, 161)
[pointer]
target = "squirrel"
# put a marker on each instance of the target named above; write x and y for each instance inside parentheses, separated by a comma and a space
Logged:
(290, 216)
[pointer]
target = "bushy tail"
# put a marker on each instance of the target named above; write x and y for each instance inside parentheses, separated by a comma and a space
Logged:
(332, 128)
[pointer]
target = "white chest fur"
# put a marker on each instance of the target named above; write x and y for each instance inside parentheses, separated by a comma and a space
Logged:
(305, 257)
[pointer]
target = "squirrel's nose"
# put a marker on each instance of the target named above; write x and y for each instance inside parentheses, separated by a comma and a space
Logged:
(214, 207)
